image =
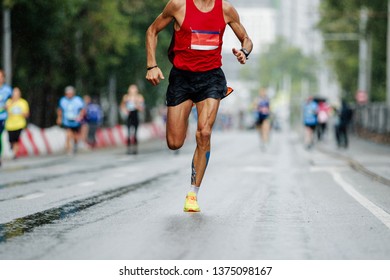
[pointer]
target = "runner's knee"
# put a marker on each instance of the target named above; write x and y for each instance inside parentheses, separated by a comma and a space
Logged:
(174, 144)
(203, 136)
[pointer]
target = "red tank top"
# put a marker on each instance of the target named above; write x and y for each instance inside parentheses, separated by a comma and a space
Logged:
(197, 46)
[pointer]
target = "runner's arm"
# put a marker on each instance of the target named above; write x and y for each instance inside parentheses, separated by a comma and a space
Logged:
(123, 105)
(154, 75)
(26, 112)
(233, 19)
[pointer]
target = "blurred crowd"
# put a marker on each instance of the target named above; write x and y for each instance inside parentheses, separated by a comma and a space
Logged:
(79, 116)
(318, 115)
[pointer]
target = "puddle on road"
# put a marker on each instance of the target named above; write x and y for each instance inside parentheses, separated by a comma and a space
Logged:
(21, 226)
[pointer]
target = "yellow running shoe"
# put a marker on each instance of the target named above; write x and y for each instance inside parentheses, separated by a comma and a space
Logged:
(191, 204)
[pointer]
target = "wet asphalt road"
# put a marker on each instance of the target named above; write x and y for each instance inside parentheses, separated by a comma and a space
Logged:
(282, 203)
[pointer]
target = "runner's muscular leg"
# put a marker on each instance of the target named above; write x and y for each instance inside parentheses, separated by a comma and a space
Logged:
(177, 124)
(207, 112)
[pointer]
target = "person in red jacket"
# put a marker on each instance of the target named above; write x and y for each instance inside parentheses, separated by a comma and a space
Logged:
(196, 76)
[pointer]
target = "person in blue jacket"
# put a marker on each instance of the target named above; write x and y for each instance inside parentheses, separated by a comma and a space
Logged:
(70, 113)
(310, 112)
(5, 94)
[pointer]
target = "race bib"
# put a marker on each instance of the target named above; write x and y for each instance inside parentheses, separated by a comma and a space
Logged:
(16, 110)
(130, 106)
(71, 113)
(204, 40)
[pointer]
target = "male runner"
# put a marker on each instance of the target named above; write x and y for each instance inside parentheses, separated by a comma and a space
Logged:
(196, 76)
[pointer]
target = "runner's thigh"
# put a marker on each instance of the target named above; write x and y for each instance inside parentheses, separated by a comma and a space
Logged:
(177, 120)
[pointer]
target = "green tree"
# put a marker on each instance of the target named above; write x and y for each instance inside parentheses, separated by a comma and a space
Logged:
(282, 60)
(343, 17)
(81, 42)
(141, 14)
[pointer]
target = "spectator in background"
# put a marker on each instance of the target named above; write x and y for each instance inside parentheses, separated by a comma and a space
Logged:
(93, 117)
(310, 111)
(18, 112)
(5, 94)
(132, 103)
(70, 114)
(323, 117)
(344, 118)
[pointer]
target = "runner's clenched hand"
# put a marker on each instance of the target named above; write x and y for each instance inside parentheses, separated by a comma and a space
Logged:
(154, 76)
(240, 55)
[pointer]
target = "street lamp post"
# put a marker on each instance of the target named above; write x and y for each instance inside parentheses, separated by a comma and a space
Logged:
(363, 52)
(7, 65)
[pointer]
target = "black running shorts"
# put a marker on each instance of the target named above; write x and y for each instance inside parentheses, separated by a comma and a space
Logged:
(75, 129)
(196, 86)
(14, 135)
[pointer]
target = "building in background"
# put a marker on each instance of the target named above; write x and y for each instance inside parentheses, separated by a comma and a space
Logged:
(297, 20)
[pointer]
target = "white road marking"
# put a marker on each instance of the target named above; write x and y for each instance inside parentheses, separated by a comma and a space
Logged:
(378, 212)
(328, 169)
(32, 196)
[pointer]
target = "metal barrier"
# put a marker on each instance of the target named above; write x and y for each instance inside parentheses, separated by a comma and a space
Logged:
(372, 121)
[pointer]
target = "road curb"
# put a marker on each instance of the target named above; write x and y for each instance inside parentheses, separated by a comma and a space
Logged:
(357, 166)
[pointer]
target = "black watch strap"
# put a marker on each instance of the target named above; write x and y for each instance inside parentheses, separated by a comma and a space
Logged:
(245, 51)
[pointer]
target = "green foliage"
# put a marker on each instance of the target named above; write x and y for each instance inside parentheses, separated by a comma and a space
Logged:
(283, 60)
(80, 42)
(343, 17)
(142, 13)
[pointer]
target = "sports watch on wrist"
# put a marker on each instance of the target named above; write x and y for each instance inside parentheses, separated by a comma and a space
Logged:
(245, 51)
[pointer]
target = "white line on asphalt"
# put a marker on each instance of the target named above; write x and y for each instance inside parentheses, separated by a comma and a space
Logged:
(378, 212)
(329, 169)
(32, 196)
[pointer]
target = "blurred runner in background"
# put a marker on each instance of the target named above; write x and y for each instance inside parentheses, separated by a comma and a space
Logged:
(93, 117)
(132, 104)
(344, 118)
(310, 111)
(263, 123)
(18, 112)
(70, 113)
(324, 111)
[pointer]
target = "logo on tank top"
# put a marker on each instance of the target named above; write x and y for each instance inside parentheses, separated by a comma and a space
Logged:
(202, 40)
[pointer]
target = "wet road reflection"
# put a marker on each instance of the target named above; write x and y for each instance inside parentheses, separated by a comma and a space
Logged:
(21, 226)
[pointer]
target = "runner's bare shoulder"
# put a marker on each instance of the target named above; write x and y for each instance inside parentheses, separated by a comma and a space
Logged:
(174, 6)
(230, 13)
